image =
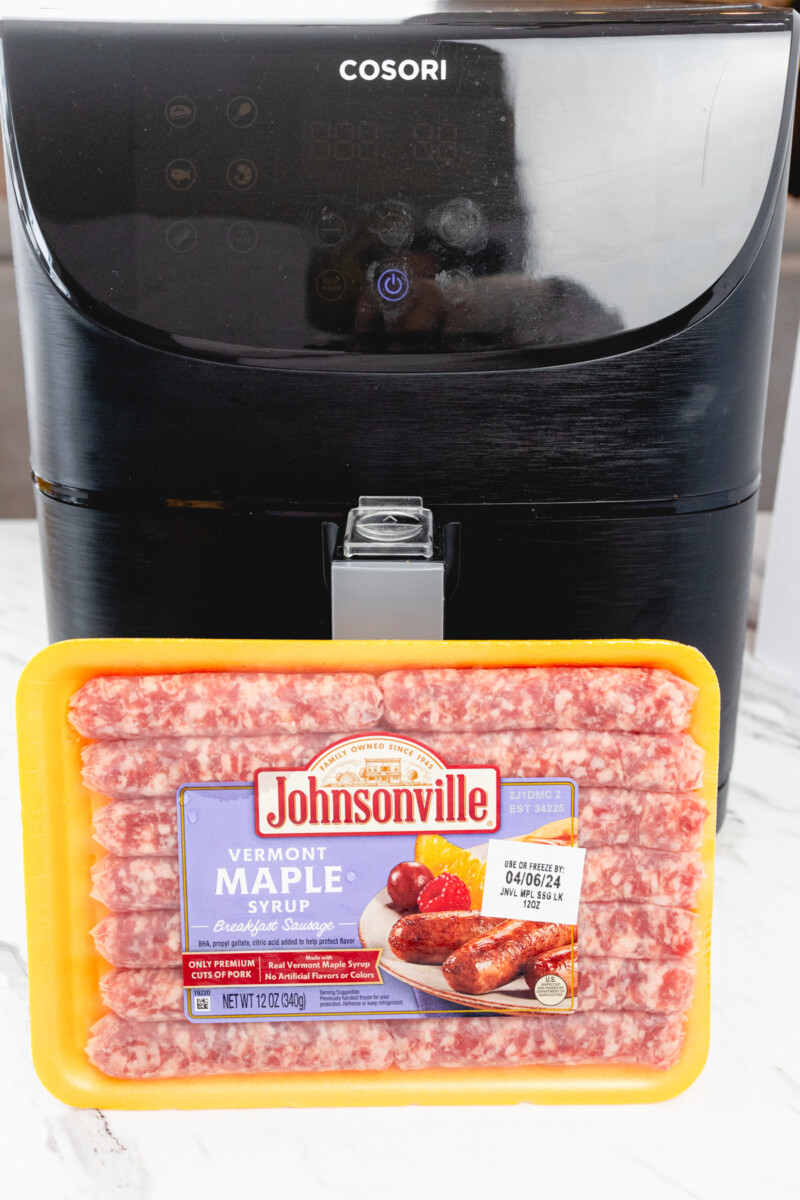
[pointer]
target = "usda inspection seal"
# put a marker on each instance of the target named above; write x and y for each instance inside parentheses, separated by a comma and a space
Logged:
(550, 989)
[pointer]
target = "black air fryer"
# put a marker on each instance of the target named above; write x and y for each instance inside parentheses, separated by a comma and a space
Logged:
(520, 266)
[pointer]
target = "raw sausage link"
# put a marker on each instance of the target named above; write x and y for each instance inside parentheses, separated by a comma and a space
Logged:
(617, 929)
(164, 1049)
(645, 985)
(157, 766)
(636, 931)
(224, 703)
(497, 957)
(642, 762)
(616, 984)
(140, 939)
(123, 884)
(608, 816)
(574, 1038)
(620, 984)
(619, 873)
(661, 820)
(673, 822)
(136, 827)
(153, 939)
(167, 1049)
(431, 937)
(144, 993)
(611, 873)
(637, 699)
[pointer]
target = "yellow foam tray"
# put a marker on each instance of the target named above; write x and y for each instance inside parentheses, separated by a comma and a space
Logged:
(57, 812)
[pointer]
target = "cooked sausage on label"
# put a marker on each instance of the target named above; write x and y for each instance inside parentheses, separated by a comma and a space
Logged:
(495, 958)
(431, 937)
(561, 962)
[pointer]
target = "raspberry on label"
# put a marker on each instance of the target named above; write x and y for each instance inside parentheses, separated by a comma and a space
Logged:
(444, 893)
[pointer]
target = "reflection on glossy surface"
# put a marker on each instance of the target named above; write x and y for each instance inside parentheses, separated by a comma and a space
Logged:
(643, 161)
(506, 308)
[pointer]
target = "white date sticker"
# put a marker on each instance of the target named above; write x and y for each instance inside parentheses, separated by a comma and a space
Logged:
(533, 881)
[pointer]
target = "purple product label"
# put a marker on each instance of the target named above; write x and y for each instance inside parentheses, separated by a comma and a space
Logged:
(287, 927)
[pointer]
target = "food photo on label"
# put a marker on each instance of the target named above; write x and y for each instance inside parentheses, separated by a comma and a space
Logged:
(426, 868)
(479, 953)
(444, 892)
(494, 959)
(405, 883)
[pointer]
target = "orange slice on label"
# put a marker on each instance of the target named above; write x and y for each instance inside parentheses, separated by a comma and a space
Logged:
(562, 831)
(438, 855)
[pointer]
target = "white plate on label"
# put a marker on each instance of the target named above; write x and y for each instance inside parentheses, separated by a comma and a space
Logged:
(374, 928)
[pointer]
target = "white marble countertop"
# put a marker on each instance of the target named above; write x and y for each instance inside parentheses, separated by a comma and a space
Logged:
(734, 1133)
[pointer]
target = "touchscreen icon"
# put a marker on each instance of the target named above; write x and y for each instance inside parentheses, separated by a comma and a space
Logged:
(393, 284)
(242, 174)
(242, 112)
(181, 174)
(331, 285)
(396, 228)
(242, 237)
(331, 229)
(180, 112)
(181, 236)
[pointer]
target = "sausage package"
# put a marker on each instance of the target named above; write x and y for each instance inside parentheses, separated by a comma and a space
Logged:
(341, 873)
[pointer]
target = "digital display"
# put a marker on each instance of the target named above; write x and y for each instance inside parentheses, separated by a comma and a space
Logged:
(401, 154)
(330, 211)
(343, 141)
(429, 142)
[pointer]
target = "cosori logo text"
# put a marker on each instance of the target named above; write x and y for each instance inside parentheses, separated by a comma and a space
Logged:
(376, 784)
(389, 68)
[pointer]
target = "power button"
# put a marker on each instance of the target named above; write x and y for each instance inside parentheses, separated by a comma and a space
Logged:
(392, 284)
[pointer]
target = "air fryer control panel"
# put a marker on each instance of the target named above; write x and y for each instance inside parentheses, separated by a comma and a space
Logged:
(331, 206)
(416, 193)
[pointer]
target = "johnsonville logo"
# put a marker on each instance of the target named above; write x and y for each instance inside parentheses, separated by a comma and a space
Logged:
(377, 784)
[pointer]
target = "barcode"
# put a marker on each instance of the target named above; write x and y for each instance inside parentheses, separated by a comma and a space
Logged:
(202, 1004)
